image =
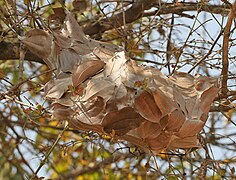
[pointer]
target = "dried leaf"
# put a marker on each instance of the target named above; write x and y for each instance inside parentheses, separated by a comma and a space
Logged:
(133, 74)
(119, 92)
(59, 15)
(93, 107)
(91, 120)
(114, 66)
(66, 100)
(121, 121)
(77, 124)
(187, 142)
(184, 83)
(176, 120)
(207, 98)
(72, 29)
(54, 89)
(183, 80)
(67, 59)
(103, 54)
(98, 87)
(190, 128)
(146, 107)
(79, 5)
(149, 130)
(61, 112)
(62, 41)
(202, 83)
(39, 43)
(180, 101)
(86, 70)
(164, 103)
(192, 107)
(164, 121)
(159, 143)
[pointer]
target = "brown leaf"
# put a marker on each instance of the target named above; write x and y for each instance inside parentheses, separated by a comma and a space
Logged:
(180, 101)
(184, 83)
(120, 92)
(103, 53)
(190, 128)
(114, 66)
(85, 117)
(77, 124)
(79, 5)
(207, 98)
(72, 29)
(183, 80)
(149, 130)
(164, 121)
(54, 89)
(187, 142)
(62, 41)
(159, 143)
(39, 43)
(86, 70)
(99, 87)
(67, 100)
(59, 15)
(147, 108)
(202, 83)
(121, 121)
(164, 103)
(67, 59)
(93, 107)
(61, 112)
(193, 107)
(133, 74)
(176, 120)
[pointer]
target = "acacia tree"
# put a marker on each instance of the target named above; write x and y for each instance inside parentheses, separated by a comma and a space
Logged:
(190, 37)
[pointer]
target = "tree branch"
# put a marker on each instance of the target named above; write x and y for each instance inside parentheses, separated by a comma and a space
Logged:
(10, 51)
(225, 61)
(133, 13)
(136, 11)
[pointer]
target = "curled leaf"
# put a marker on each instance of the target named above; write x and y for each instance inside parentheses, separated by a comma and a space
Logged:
(149, 130)
(86, 70)
(61, 112)
(164, 103)
(99, 87)
(187, 142)
(39, 42)
(146, 107)
(190, 128)
(121, 121)
(54, 89)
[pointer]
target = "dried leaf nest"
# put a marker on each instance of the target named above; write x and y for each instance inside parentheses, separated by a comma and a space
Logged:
(100, 89)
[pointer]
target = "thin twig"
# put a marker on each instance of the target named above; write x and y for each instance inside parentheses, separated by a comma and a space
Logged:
(112, 159)
(49, 152)
(207, 55)
(169, 48)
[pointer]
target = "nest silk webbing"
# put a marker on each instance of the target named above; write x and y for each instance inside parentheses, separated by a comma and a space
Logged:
(100, 89)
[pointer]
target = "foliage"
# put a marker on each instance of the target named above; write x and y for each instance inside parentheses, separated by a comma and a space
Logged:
(171, 36)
